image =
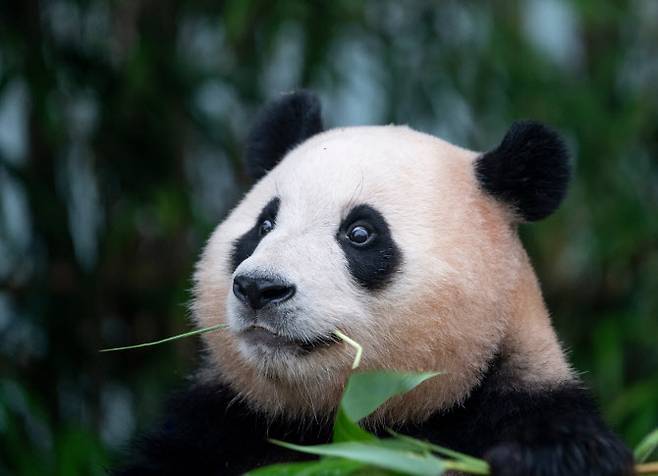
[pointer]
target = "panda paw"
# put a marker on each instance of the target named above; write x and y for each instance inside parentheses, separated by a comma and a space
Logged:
(593, 457)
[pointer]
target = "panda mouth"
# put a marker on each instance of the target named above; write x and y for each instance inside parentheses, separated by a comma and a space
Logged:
(261, 336)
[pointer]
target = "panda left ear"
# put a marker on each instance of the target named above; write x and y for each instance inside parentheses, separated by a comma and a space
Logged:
(529, 170)
(280, 126)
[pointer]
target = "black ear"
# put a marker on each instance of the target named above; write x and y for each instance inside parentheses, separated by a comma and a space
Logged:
(280, 126)
(529, 170)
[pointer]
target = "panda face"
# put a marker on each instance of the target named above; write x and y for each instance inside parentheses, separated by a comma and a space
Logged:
(266, 309)
(316, 251)
(379, 232)
(401, 241)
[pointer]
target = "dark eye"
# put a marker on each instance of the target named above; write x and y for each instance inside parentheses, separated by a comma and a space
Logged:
(265, 227)
(359, 235)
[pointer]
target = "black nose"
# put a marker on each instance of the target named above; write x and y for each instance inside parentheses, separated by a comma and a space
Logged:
(258, 292)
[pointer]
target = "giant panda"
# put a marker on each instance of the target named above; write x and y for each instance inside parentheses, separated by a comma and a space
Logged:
(409, 245)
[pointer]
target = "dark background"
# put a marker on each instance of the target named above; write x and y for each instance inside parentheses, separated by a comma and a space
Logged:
(121, 132)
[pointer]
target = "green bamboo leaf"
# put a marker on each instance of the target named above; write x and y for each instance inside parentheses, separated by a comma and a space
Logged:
(376, 455)
(323, 467)
(646, 447)
(347, 430)
(478, 465)
(366, 391)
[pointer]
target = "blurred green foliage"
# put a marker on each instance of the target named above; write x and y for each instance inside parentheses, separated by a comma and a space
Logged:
(121, 129)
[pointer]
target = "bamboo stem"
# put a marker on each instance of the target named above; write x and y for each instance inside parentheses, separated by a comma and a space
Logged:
(353, 343)
(168, 339)
(647, 468)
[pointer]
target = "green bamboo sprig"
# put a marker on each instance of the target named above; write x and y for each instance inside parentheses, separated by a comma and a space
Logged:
(205, 330)
(357, 347)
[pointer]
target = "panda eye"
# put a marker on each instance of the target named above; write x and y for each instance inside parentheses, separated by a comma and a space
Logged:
(265, 227)
(359, 235)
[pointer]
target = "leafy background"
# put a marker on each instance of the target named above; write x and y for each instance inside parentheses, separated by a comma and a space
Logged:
(121, 131)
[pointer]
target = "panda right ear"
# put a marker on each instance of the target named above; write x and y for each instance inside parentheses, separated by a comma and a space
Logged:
(280, 126)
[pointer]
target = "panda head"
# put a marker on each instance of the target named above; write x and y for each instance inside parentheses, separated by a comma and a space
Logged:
(398, 239)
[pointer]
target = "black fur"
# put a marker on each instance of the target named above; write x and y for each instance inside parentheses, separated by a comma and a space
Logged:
(208, 432)
(550, 432)
(281, 126)
(244, 246)
(556, 432)
(529, 170)
(373, 264)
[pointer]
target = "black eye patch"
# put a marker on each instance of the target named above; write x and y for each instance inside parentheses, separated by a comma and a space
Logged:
(244, 246)
(373, 263)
